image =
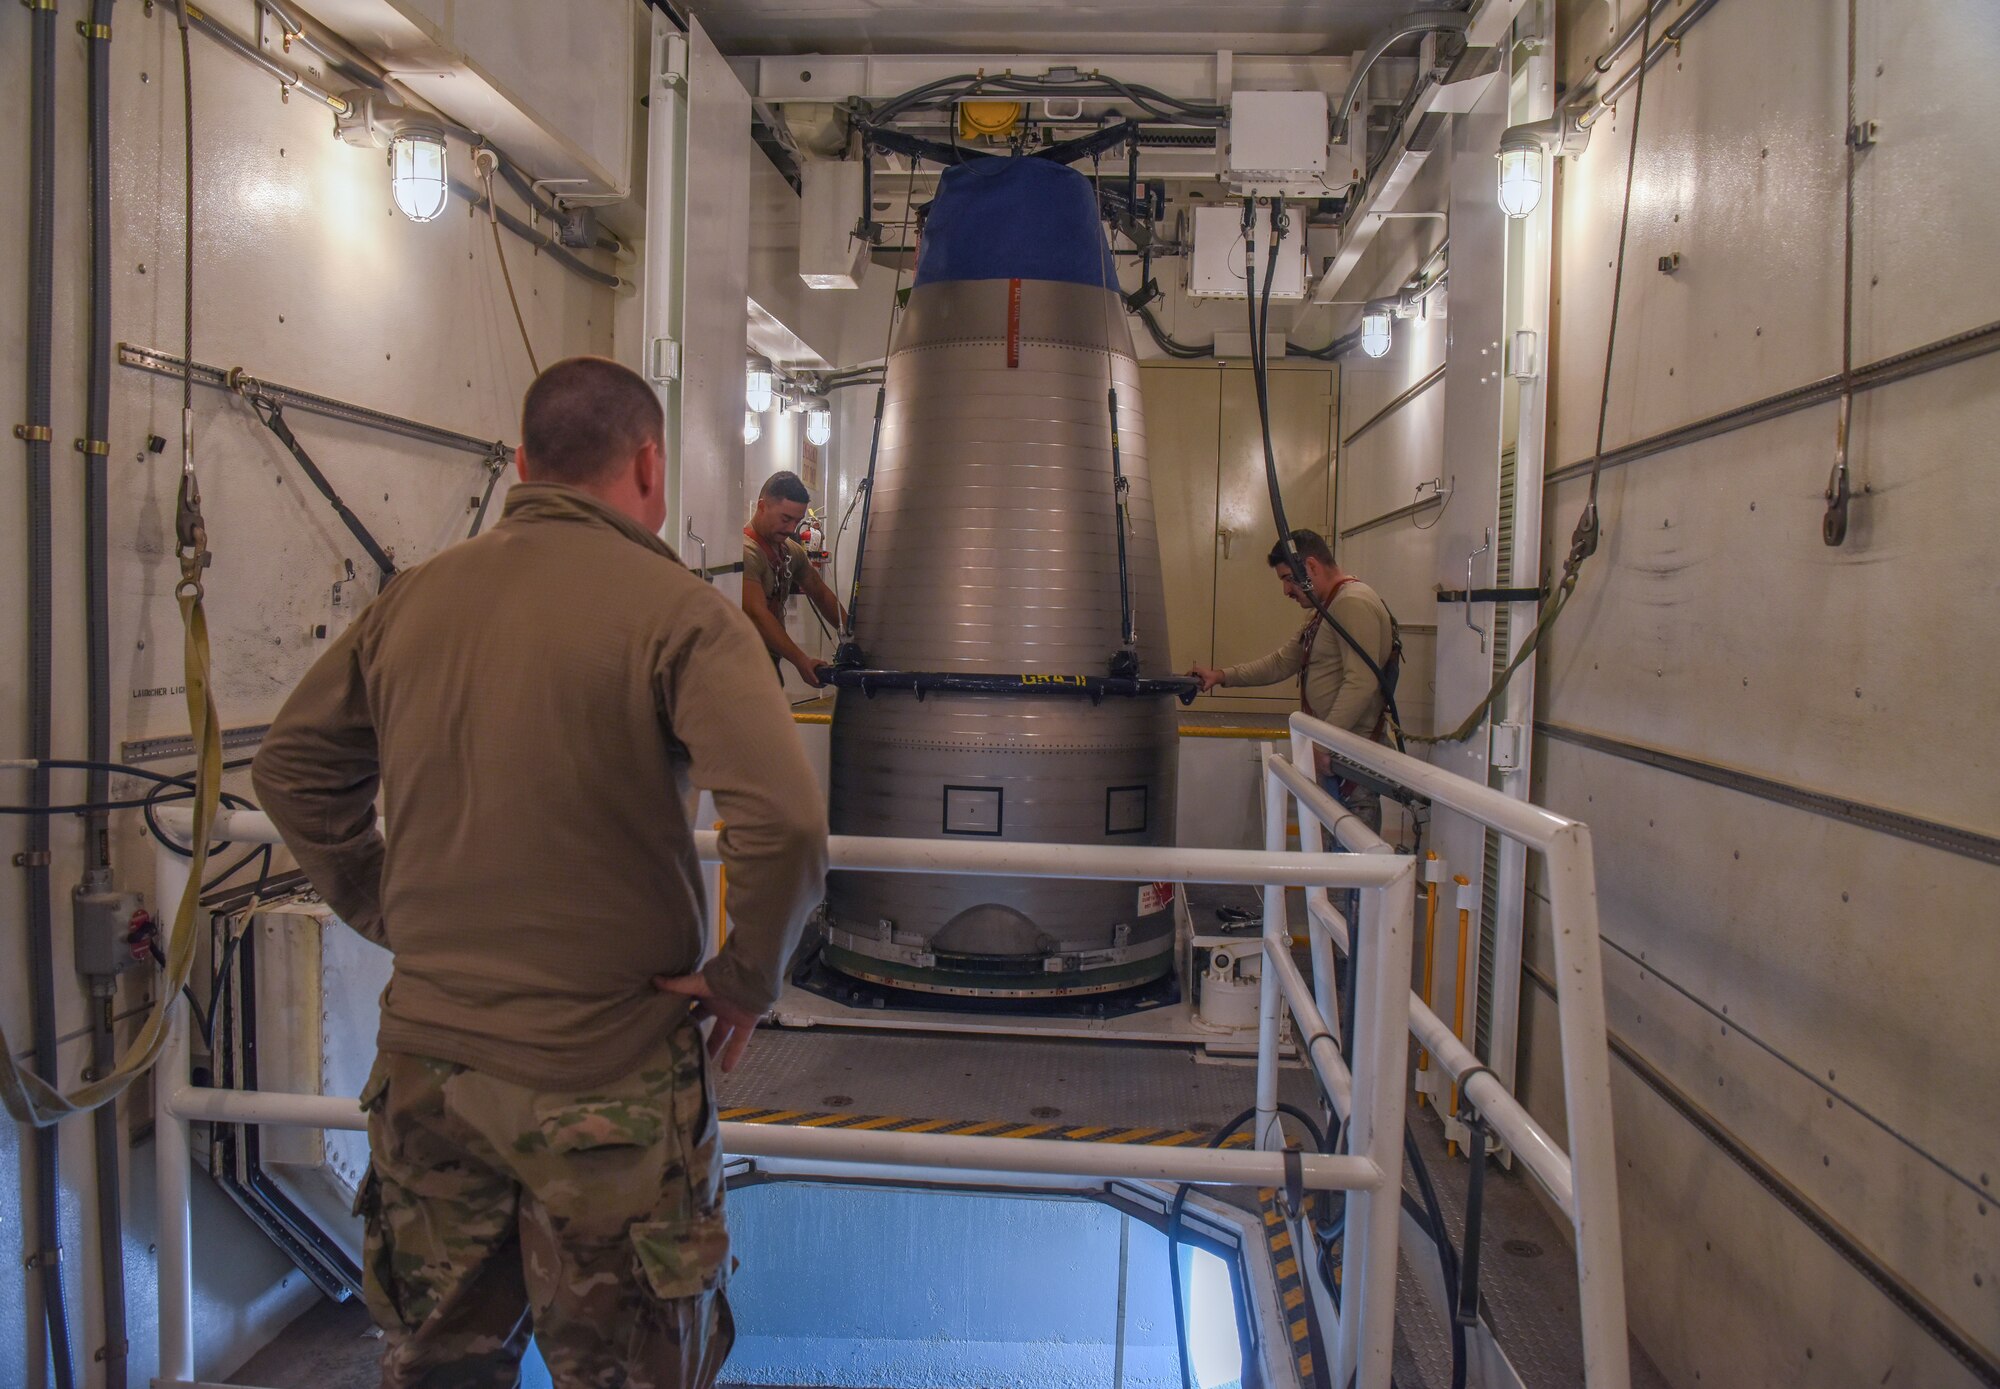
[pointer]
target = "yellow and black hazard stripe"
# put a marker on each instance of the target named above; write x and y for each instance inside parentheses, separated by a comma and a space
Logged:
(1293, 1296)
(982, 1128)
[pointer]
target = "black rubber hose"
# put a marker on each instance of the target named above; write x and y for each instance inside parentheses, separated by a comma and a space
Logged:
(1185, 351)
(110, 1217)
(1260, 368)
(40, 673)
(1466, 1290)
(1216, 1140)
(1433, 1214)
(1333, 351)
(97, 864)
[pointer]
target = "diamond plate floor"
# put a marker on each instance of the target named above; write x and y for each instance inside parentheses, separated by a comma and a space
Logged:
(942, 1076)
(1527, 1277)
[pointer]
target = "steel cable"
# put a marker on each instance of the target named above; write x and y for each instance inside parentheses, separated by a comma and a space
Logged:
(1584, 538)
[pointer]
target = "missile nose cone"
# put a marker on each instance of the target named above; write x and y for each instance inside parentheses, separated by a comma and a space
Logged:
(993, 548)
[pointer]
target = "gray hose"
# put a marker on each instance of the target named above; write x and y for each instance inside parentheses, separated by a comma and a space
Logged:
(97, 866)
(47, 1233)
(97, 428)
(545, 242)
(337, 57)
(525, 190)
(1592, 109)
(250, 53)
(1413, 23)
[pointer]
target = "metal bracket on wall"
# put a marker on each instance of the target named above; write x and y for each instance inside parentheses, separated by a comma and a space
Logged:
(1491, 595)
(674, 60)
(1952, 839)
(181, 745)
(235, 380)
(664, 362)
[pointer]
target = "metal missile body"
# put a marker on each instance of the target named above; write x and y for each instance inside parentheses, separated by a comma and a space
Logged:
(993, 549)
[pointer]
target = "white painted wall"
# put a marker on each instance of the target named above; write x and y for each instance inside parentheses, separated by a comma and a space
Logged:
(305, 276)
(1822, 989)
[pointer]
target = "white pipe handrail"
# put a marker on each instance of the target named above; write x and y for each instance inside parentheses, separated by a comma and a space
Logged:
(1586, 1059)
(864, 1147)
(1106, 862)
(1510, 1118)
(1366, 1090)
(1523, 820)
(1512, 1124)
(1373, 1168)
(1322, 1051)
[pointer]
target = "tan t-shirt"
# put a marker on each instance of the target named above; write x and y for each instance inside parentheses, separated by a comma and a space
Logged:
(530, 710)
(779, 581)
(1339, 687)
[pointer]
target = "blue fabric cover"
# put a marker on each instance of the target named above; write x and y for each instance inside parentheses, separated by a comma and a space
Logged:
(1015, 219)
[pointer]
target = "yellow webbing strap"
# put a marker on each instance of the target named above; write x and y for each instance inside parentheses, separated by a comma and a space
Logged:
(28, 1097)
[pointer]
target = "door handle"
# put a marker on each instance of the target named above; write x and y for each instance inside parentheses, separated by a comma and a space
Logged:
(703, 546)
(1225, 536)
(1468, 588)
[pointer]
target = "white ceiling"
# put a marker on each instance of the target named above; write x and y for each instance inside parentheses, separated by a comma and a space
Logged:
(1045, 26)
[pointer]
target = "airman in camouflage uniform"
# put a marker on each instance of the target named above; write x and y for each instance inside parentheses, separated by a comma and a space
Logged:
(600, 1212)
(534, 711)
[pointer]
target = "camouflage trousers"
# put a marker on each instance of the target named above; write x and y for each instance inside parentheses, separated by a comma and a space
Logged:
(594, 1219)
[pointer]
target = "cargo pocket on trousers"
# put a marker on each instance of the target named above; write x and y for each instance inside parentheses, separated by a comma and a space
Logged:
(368, 1191)
(683, 1258)
(580, 1126)
(377, 1088)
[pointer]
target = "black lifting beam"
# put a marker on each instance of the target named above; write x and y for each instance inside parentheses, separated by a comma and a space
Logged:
(1092, 687)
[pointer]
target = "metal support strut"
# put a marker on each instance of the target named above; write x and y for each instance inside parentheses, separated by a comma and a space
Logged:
(273, 416)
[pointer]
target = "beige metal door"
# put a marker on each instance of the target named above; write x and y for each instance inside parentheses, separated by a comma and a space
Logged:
(1183, 425)
(1251, 616)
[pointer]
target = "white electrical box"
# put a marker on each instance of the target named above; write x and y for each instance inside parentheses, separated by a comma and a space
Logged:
(831, 256)
(1215, 264)
(1276, 144)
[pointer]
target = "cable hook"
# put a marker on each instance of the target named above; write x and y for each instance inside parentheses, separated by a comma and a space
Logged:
(1833, 525)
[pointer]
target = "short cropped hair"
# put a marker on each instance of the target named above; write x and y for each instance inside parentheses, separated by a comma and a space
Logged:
(784, 487)
(1308, 544)
(586, 415)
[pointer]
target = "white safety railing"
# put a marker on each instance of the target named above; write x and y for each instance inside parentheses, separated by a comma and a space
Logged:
(904, 1155)
(1368, 1095)
(1583, 1182)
